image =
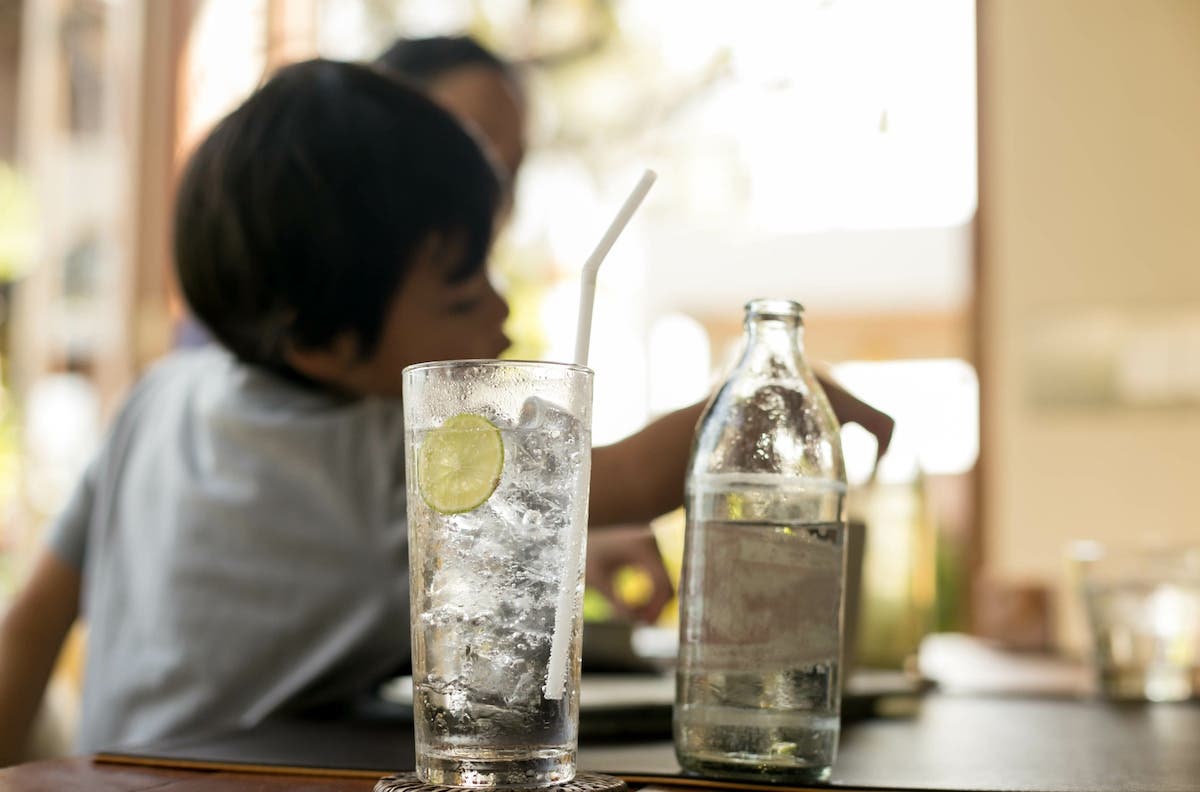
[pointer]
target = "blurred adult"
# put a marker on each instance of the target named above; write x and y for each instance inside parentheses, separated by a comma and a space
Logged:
(476, 85)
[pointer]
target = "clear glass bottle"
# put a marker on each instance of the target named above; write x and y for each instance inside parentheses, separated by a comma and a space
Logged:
(758, 689)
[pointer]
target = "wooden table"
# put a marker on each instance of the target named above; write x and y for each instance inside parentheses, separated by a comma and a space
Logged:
(63, 775)
(954, 743)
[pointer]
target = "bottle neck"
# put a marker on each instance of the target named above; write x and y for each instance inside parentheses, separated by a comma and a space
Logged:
(774, 345)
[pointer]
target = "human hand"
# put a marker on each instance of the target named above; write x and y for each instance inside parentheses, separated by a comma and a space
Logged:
(850, 409)
(612, 549)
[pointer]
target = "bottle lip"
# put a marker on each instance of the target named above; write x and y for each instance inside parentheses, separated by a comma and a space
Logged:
(774, 308)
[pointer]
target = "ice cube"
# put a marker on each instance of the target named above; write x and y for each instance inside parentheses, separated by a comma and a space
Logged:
(537, 413)
(548, 445)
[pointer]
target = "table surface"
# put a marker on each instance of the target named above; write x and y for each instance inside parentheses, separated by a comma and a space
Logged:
(953, 743)
(67, 775)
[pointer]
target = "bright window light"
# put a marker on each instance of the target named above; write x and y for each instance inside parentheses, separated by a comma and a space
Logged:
(680, 360)
(226, 58)
(935, 404)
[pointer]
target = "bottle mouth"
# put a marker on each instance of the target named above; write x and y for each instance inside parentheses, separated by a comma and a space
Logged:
(773, 308)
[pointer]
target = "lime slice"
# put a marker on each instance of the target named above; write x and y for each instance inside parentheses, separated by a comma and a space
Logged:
(459, 464)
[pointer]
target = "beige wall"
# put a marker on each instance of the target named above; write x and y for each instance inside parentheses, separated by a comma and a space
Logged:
(1089, 199)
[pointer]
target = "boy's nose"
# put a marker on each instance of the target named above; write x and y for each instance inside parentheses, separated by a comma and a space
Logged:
(500, 303)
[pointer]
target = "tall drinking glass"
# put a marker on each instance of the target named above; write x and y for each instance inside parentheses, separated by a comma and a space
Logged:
(498, 456)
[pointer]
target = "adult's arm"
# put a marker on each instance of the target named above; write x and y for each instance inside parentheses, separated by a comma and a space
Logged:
(641, 477)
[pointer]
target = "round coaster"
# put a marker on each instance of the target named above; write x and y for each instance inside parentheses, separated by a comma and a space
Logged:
(582, 782)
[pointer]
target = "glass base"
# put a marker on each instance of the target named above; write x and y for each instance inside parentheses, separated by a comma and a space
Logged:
(584, 782)
(758, 771)
(1150, 683)
(497, 769)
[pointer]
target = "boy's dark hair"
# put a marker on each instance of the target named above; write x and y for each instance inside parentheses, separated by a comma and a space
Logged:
(298, 217)
(423, 60)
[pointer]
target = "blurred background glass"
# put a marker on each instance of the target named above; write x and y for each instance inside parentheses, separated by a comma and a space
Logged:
(1143, 609)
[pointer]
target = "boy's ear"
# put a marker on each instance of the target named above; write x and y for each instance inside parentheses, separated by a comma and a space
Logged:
(330, 364)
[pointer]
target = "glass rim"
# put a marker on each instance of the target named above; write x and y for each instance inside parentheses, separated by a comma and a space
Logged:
(774, 308)
(433, 365)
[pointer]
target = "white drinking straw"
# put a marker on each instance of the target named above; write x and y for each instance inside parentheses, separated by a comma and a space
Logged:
(556, 673)
(587, 283)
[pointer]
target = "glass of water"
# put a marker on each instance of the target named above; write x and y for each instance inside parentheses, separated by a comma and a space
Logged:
(498, 456)
(1143, 608)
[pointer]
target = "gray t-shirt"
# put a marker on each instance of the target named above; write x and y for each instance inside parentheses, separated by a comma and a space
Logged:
(244, 551)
